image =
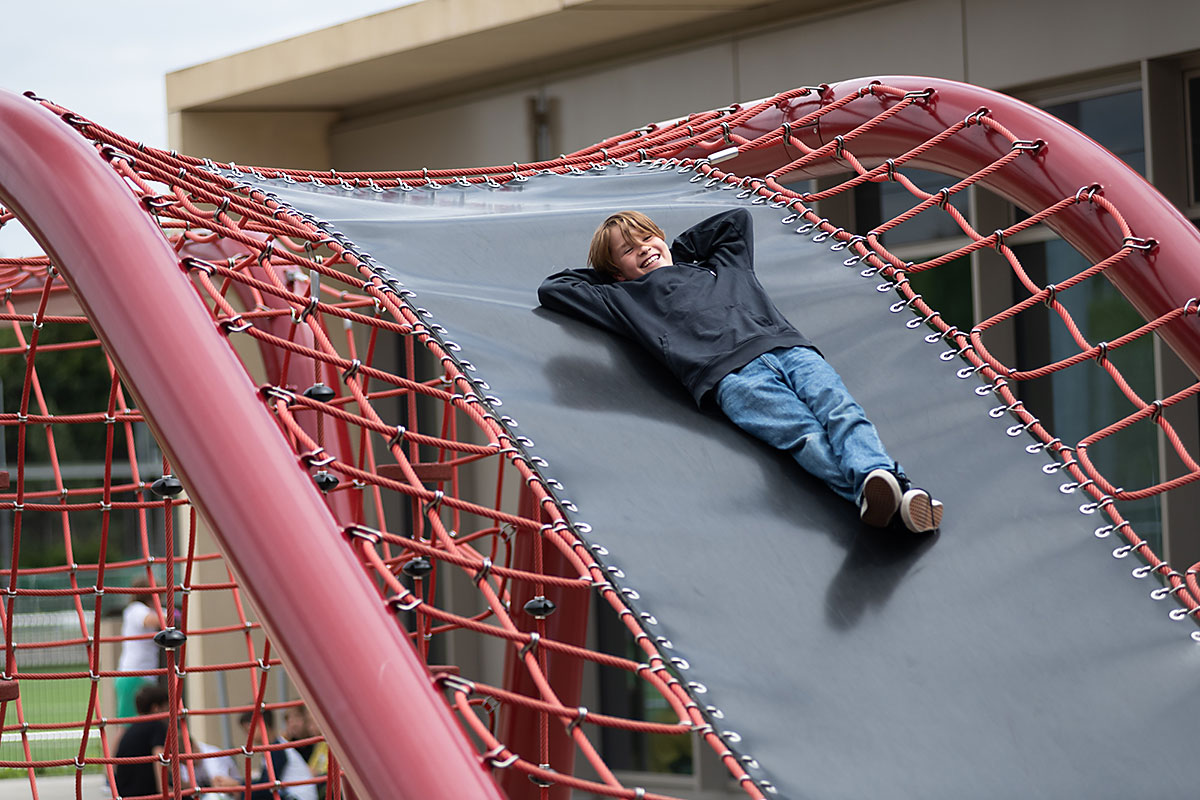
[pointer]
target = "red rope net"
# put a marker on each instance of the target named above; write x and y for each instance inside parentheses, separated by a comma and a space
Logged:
(399, 453)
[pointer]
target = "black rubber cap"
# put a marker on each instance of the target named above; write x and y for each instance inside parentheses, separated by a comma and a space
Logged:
(540, 608)
(167, 486)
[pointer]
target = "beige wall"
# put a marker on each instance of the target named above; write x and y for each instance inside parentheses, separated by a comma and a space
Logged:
(610, 98)
(1000, 45)
(594, 105)
(920, 37)
(1019, 42)
(489, 130)
(297, 139)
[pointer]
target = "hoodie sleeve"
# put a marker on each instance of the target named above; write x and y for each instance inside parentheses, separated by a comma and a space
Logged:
(722, 241)
(583, 294)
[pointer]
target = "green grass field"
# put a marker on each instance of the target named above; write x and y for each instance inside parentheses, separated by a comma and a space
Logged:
(47, 702)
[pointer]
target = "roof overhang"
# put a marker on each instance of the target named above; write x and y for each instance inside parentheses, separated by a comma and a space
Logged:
(438, 47)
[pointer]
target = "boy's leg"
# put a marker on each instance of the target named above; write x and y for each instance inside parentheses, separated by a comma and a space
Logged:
(853, 439)
(759, 400)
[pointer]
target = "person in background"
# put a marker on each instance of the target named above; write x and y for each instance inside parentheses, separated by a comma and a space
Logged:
(286, 763)
(299, 724)
(144, 737)
(139, 653)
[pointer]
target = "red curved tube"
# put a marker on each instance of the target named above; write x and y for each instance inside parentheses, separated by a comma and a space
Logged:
(348, 655)
(1155, 281)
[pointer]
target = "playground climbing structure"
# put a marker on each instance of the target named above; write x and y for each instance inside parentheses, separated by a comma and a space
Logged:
(346, 452)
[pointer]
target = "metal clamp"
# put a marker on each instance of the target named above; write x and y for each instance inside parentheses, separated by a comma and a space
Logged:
(1143, 572)
(1163, 592)
(1017, 430)
(580, 716)
(1138, 243)
(492, 757)
(1037, 447)
(300, 315)
(429, 182)
(845, 243)
(976, 117)
(751, 189)
(234, 324)
(823, 235)
(1087, 193)
(967, 372)
(917, 322)
(362, 532)
(405, 602)
(531, 645)
(1000, 411)
(1180, 613)
(1050, 469)
(1104, 531)
(948, 355)
(808, 227)
(457, 684)
(313, 459)
(1051, 292)
(1125, 550)
(434, 504)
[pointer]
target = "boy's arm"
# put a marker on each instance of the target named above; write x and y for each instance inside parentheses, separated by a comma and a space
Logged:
(583, 294)
(722, 240)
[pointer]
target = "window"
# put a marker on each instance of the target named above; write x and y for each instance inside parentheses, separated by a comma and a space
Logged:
(627, 695)
(1079, 401)
(931, 233)
(1113, 120)
(1193, 135)
(876, 203)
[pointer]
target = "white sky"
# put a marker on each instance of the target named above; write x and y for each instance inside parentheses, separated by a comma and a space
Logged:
(107, 61)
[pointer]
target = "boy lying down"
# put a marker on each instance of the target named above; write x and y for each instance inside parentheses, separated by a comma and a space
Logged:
(698, 307)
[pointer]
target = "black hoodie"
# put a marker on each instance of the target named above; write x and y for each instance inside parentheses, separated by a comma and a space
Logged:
(704, 317)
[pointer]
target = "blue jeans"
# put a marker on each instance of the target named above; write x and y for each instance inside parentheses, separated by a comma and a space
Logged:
(793, 400)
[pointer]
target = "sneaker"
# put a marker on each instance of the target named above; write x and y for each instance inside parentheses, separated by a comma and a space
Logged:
(880, 498)
(920, 512)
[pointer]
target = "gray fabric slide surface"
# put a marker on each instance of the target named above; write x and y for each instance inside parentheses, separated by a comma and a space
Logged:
(1009, 656)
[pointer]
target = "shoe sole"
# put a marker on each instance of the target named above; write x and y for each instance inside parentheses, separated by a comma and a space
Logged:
(920, 512)
(880, 499)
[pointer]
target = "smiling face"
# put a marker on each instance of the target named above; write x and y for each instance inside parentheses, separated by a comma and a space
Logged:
(637, 256)
(628, 245)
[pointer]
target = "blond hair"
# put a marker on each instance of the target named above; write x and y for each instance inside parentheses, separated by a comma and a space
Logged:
(632, 226)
